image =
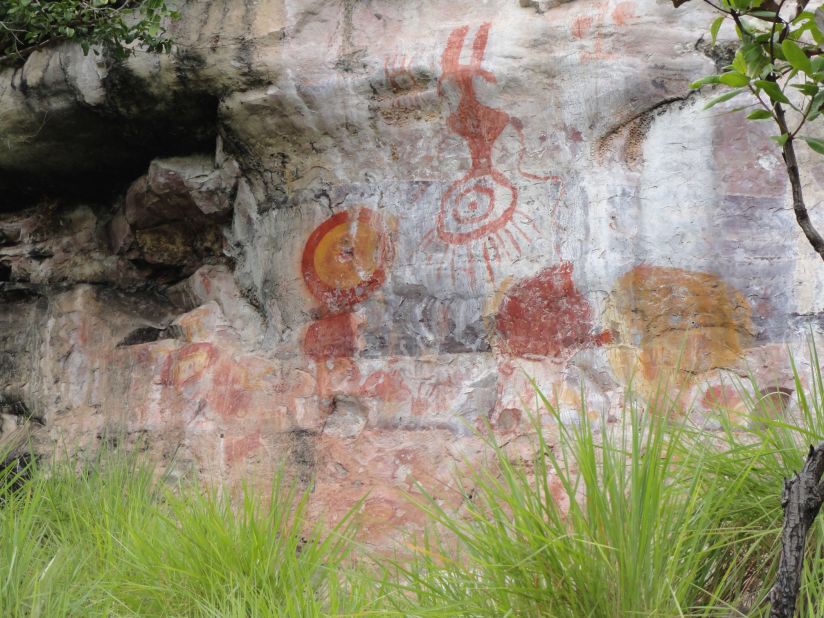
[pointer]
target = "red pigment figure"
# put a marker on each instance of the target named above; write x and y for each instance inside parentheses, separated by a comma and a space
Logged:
(342, 265)
(479, 205)
(546, 316)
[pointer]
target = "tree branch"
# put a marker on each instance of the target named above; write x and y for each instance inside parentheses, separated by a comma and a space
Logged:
(791, 163)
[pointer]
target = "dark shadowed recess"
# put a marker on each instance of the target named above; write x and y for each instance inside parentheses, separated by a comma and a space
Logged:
(92, 154)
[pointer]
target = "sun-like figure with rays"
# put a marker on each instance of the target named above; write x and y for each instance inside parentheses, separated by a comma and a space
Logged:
(477, 212)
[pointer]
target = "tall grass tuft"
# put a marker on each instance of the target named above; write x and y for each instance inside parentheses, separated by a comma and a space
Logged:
(111, 540)
(654, 517)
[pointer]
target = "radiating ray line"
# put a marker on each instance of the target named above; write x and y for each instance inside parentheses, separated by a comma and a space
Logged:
(470, 267)
(524, 234)
(528, 220)
(489, 270)
(496, 250)
(502, 243)
(452, 270)
(514, 241)
(427, 239)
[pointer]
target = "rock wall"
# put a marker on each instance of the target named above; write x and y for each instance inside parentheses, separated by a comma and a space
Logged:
(344, 235)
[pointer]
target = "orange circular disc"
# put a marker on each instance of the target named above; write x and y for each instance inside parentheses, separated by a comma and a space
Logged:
(343, 259)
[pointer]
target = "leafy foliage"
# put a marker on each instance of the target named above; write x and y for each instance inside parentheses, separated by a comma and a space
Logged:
(117, 25)
(780, 61)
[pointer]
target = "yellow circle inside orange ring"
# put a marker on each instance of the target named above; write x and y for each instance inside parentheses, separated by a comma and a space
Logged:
(344, 260)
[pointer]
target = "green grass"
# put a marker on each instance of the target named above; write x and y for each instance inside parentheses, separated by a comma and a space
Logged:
(648, 516)
(110, 540)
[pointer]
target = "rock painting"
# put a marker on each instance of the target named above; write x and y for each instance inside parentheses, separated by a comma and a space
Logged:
(736, 405)
(343, 260)
(540, 323)
(583, 25)
(477, 211)
(675, 323)
(187, 365)
(330, 337)
(342, 265)
(545, 315)
(399, 74)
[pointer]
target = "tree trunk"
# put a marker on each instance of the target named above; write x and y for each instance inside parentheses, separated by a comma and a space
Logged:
(802, 499)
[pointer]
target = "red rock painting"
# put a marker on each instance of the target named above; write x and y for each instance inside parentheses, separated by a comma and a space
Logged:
(399, 75)
(330, 337)
(186, 365)
(343, 264)
(343, 259)
(589, 27)
(545, 315)
(720, 396)
(478, 209)
(239, 448)
(386, 386)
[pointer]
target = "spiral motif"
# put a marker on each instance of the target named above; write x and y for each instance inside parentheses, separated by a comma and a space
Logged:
(476, 206)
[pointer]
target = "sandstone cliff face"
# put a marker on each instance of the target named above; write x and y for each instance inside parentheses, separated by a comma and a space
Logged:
(343, 235)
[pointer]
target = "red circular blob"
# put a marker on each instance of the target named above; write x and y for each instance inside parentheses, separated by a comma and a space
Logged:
(545, 315)
(344, 285)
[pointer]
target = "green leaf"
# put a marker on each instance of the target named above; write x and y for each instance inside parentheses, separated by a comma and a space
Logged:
(780, 139)
(759, 114)
(770, 15)
(755, 58)
(816, 106)
(709, 79)
(808, 89)
(818, 64)
(738, 62)
(816, 144)
(772, 90)
(715, 27)
(724, 97)
(734, 79)
(796, 56)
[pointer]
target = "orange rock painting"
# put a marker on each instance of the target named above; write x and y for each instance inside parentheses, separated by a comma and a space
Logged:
(343, 259)
(342, 265)
(545, 315)
(677, 323)
(478, 209)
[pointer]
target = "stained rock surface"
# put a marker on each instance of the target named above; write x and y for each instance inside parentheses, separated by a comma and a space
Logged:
(344, 236)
